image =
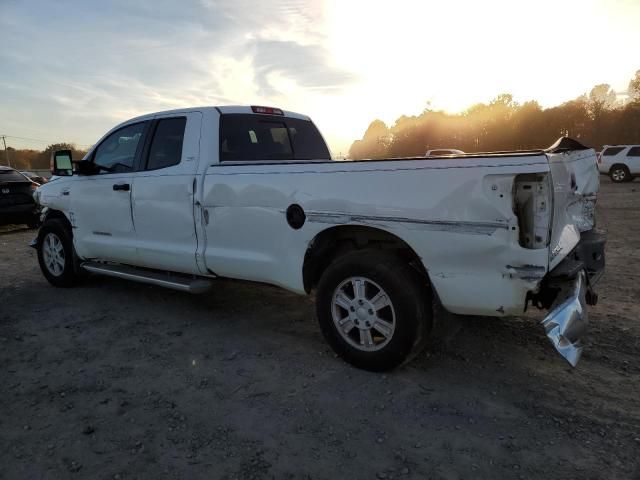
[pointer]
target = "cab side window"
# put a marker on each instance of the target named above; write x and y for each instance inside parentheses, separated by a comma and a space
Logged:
(117, 152)
(166, 146)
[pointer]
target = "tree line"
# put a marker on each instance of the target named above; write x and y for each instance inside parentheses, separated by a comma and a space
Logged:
(594, 119)
(29, 159)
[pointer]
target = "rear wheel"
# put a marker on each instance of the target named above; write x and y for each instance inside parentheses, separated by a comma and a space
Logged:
(619, 174)
(374, 309)
(56, 255)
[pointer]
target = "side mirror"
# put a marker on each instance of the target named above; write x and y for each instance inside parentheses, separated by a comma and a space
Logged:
(61, 163)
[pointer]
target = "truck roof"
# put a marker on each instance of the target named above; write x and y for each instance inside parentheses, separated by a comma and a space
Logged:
(223, 109)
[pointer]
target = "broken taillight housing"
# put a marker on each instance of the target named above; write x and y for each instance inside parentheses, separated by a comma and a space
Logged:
(584, 213)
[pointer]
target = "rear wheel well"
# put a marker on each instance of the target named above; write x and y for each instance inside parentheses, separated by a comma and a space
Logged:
(334, 242)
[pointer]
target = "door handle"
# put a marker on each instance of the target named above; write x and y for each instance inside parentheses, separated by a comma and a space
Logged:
(125, 187)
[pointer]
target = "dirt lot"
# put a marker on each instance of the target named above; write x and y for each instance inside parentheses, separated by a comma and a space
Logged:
(121, 380)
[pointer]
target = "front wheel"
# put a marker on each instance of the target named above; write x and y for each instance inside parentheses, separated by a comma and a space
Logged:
(56, 255)
(374, 309)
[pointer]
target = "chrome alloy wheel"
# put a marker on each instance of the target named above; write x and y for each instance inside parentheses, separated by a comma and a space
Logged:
(363, 314)
(53, 254)
(618, 175)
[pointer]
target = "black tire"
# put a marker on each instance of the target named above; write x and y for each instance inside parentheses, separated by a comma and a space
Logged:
(411, 309)
(620, 173)
(67, 277)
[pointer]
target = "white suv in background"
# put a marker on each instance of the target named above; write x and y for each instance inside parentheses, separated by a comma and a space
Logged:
(620, 162)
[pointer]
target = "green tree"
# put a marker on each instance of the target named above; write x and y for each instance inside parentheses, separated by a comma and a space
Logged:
(601, 98)
(374, 143)
(634, 88)
(503, 124)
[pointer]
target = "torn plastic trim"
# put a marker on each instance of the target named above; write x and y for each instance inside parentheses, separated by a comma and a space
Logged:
(567, 320)
(475, 228)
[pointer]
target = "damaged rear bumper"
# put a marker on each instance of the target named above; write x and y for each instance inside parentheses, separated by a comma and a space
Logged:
(570, 285)
(567, 321)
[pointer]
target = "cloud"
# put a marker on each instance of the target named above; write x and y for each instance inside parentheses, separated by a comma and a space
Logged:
(307, 65)
(85, 65)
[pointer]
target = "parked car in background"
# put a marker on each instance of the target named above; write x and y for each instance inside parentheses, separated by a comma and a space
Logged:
(17, 204)
(39, 179)
(620, 162)
(440, 152)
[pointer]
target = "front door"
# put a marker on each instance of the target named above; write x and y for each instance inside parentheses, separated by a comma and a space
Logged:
(101, 204)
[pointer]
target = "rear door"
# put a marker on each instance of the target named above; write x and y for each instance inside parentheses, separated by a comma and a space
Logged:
(633, 160)
(100, 205)
(163, 194)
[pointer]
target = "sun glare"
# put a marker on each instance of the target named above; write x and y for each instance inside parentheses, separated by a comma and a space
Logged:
(408, 55)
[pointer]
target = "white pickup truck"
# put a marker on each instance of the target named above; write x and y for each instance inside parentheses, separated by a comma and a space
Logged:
(183, 197)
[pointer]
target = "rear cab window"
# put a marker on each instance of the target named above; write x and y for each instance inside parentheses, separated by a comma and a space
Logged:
(250, 137)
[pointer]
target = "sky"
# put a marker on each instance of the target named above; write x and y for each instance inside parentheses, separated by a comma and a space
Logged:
(70, 70)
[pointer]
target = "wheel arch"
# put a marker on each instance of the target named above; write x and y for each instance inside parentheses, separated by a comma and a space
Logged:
(335, 241)
(619, 164)
(51, 214)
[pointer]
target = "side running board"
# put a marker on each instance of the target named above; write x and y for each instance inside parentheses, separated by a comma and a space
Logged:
(175, 281)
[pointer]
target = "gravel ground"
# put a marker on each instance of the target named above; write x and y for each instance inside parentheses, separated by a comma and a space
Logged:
(121, 380)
